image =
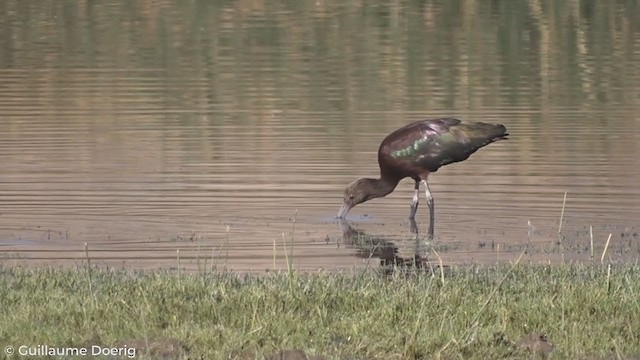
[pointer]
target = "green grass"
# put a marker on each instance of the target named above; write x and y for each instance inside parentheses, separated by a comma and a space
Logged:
(478, 312)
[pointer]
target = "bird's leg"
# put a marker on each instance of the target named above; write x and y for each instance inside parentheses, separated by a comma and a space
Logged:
(432, 214)
(414, 203)
(414, 227)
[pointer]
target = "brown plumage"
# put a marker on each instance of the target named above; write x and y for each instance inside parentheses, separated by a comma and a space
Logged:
(415, 151)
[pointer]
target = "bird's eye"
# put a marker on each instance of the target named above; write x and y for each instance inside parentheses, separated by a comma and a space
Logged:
(351, 196)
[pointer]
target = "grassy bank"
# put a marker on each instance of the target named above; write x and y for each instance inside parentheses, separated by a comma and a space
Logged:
(486, 312)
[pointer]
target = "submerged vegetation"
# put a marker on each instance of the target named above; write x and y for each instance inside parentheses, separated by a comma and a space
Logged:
(511, 311)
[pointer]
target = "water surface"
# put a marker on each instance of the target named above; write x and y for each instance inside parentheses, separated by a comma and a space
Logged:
(199, 135)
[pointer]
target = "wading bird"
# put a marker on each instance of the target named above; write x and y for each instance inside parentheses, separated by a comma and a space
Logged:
(415, 151)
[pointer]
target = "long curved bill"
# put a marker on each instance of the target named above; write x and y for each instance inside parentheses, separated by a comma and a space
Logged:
(344, 210)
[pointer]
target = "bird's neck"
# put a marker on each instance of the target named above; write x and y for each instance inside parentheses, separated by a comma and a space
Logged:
(382, 187)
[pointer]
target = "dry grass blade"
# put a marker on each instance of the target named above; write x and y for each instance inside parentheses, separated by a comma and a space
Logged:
(564, 203)
(441, 266)
(604, 252)
(493, 292)
(591, 238)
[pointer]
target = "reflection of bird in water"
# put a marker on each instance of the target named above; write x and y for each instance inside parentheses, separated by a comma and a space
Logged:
(531, 229)
(368, 247)
(417, 150)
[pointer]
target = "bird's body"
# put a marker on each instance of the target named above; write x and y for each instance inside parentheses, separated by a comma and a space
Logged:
(415, 151)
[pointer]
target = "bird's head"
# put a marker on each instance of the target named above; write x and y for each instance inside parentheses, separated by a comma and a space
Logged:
(356, 193)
